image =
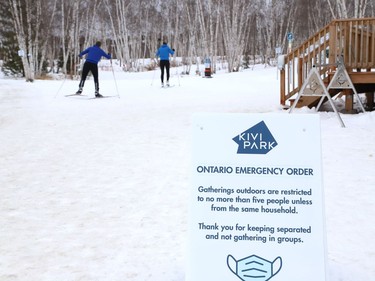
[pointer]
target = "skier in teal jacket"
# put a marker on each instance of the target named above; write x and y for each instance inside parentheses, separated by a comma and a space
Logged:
(164, 52)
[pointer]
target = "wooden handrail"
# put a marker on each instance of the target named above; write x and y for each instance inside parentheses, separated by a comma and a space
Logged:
(352, 39)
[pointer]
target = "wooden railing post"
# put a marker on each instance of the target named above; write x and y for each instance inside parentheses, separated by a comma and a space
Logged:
(300, 74)
(332, 44)
(348, 100)
(282, 86)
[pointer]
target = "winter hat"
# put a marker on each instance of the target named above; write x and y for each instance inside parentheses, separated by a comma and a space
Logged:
(98, 43)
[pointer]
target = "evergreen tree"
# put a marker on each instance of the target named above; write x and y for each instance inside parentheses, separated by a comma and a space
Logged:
(12, 64)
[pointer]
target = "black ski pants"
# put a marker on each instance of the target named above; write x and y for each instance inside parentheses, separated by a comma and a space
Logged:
(87, 67)
(164, 64)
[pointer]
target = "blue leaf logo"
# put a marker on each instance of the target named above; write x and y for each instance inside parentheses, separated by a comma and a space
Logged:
(255, 140)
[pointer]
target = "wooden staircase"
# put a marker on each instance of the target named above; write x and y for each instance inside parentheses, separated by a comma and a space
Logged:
(351, 39)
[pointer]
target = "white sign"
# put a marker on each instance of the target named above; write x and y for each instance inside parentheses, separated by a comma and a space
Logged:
(21, 53)
(256, 207)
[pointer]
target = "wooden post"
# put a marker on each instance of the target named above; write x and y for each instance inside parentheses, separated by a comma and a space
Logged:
(370, 100)
(370, 97)
(348, 100)
(282, 86)
(332, 44)
(300, 75)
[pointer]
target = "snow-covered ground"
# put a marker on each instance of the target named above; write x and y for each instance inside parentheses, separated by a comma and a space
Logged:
(97, 190)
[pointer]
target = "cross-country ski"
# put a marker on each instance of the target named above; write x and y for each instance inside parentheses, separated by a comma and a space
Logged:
(167, 86)
(81, 96)
(103, 97)
(75, 95)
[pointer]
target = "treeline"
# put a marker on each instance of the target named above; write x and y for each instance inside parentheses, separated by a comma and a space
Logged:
(50, 31)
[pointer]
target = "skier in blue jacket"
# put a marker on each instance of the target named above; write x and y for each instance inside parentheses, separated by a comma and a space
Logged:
(94, 54)
(164, 52)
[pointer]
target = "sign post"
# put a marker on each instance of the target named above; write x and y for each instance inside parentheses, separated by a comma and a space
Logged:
(256, 205)
(290, 36)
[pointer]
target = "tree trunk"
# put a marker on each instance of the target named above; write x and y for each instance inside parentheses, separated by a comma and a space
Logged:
(17, 10)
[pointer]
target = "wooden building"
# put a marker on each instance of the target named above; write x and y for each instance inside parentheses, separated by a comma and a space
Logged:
(351, 41)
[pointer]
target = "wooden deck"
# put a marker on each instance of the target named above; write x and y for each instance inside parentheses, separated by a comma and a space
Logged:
(353, 40)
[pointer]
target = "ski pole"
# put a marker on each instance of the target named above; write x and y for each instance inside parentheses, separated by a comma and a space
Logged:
(113, 71)
(62, 84)
(156, 61)
(178, 75)
(153, 76)
(114, 78)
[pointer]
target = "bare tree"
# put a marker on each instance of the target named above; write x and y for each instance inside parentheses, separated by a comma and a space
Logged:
(117, 13)
(197, 29)
(360, 7)
(22, 28)
(44, 32)
(235, 19)
(349, 8)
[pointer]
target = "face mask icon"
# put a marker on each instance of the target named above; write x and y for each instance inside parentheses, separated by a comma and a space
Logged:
(254, 268)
